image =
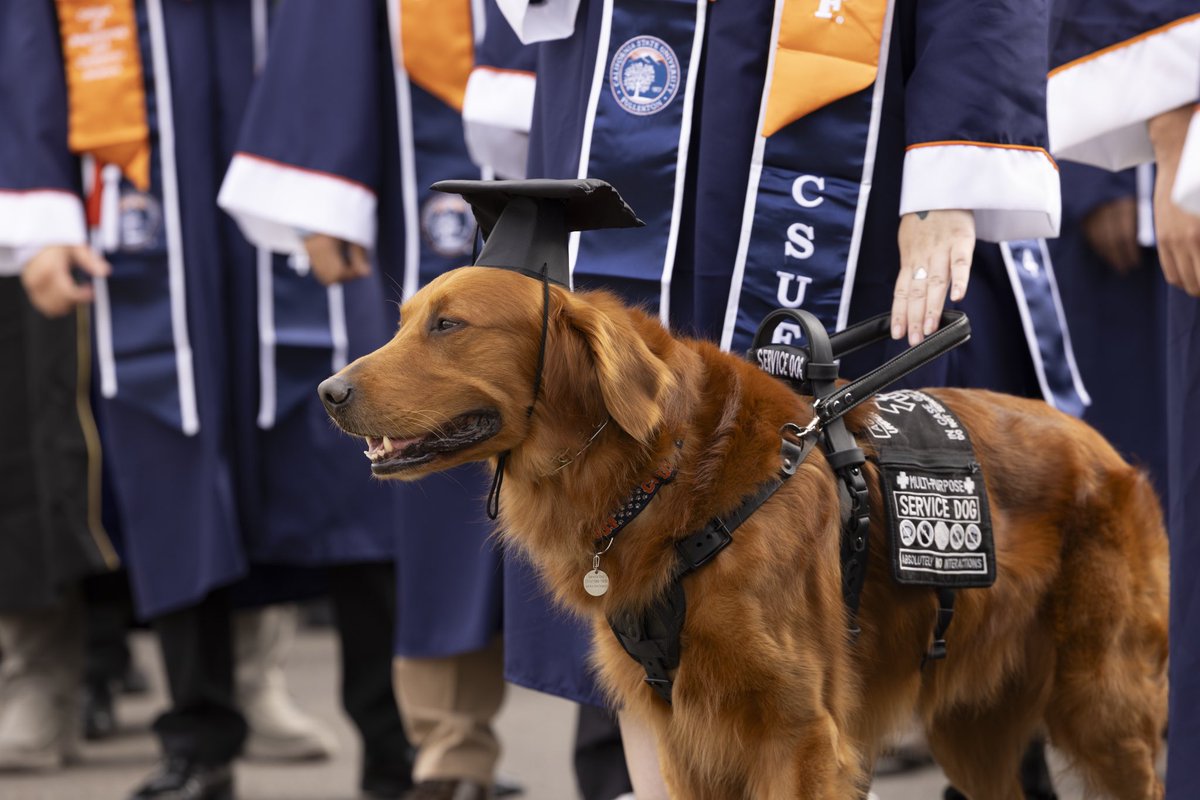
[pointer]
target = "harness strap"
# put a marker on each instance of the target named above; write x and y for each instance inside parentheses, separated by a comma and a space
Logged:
(843, 454)
(945, 615)
(652, 638)
(818, 373)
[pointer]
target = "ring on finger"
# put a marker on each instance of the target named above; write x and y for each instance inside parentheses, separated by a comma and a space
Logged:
(921, 274)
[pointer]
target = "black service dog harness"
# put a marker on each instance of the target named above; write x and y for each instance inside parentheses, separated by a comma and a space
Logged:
(924, 489)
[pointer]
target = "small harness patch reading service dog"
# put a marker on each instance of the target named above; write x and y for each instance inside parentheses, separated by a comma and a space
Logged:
(939, 524)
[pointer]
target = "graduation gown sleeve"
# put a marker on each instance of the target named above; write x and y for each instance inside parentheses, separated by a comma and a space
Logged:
(1114, 65)
(39, 194)
(308, 158)
(540, 20)
(975, 117)
(498, 106)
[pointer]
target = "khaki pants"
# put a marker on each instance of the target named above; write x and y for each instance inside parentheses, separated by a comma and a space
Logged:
(448, 705)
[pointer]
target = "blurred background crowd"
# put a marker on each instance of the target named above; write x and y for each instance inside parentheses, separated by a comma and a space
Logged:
(208, 206)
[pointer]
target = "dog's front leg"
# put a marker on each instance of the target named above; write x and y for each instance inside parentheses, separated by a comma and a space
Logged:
(820, 765)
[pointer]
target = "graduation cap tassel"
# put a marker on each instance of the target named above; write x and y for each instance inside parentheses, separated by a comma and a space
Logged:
(541, 362)
(493, 499)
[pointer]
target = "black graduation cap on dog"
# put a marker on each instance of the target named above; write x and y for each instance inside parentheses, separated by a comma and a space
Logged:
(526, 228)
(526, 224)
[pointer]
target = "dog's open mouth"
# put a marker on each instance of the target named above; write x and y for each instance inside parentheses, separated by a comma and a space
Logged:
(391, 454)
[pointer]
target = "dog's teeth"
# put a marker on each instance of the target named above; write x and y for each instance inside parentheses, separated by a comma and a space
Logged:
(387, 445)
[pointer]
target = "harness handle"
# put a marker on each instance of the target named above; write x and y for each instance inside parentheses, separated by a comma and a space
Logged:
(815, 364)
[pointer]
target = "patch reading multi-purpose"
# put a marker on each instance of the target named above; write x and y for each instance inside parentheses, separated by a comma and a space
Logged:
(939, 524)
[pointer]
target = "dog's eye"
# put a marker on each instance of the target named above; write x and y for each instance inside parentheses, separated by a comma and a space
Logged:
(445, 324)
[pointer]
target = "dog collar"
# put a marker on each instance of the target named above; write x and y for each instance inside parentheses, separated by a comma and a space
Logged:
(595, 582)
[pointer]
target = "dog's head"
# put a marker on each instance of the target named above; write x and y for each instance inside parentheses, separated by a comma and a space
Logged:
(457, 381)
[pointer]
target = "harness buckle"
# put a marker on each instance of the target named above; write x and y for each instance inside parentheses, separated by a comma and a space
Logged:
(661, 686)
(799, 433)
(699, 548)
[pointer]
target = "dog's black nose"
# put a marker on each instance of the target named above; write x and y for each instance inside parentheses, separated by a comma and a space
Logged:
(335, 391)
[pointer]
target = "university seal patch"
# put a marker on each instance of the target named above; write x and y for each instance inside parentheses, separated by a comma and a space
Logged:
(141, 222)
(644, 75)
(448, 225)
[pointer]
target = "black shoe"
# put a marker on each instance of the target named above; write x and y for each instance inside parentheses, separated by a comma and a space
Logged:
(504, 787)
(99, 719)
(953, 794)
(383, 780)
(180, 779)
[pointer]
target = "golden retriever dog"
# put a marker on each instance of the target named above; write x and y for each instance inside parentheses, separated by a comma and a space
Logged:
(772, 699)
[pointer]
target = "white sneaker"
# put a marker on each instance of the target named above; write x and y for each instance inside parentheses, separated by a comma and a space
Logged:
(278, 729)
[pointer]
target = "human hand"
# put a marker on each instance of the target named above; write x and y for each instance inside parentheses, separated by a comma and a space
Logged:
(334, 260)
(1177, 231)
(936, 248)
(1111, 231)
(49, 283)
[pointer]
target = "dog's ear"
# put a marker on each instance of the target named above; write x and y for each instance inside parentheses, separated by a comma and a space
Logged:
(632, 379)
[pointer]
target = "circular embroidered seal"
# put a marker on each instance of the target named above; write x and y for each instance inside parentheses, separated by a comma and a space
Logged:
(141, 219)
(644, 75)
(908, 532)
(448, 225)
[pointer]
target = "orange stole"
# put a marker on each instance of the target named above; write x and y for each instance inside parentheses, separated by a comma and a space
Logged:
(827, 50)
(105, 92)
(439, 46)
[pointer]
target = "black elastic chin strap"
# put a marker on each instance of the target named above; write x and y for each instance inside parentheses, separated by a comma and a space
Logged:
(493, 499)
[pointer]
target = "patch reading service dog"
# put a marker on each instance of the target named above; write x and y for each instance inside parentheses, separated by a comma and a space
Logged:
(939, 524)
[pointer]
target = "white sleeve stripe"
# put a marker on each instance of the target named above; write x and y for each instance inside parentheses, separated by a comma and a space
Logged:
(1098, 107)
(500, 98)
(543, 22)
(1013, 192)
(274, 204)
(41, 217)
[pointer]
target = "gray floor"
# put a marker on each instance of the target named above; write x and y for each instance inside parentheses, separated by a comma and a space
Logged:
(536, 730)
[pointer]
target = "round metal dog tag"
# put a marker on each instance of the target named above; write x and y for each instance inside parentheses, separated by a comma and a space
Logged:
(595, 582)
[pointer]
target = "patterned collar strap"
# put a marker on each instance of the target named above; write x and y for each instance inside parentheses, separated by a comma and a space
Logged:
(635, 503)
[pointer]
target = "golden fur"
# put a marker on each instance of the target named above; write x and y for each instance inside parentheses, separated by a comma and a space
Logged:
(771, 700)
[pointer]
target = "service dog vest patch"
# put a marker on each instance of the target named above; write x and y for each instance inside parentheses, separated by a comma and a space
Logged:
(939, 524)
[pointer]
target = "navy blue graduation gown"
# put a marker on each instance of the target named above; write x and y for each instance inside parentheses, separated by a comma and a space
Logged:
(1115, 65)
(374, 138)
(1098, 301)
(200, 495)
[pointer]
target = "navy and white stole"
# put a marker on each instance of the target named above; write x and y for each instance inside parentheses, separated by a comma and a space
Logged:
(811, 172)
(636, 136)
(1044, 324)
(143, 346)
(433, 48)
